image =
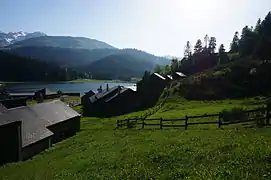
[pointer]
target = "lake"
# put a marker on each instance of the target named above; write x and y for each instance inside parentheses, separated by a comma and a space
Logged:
(73, 87)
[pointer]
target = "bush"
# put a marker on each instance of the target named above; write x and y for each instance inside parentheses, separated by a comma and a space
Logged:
(234, 114)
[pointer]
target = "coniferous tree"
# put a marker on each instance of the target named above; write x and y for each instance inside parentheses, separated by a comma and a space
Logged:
(223, 57)
(198, 47)
(258, 25)
(234, 48)
(187, 50)
(212, 45)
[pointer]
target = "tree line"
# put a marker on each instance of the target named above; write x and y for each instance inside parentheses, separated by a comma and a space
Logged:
(15, 68)
(254, 42)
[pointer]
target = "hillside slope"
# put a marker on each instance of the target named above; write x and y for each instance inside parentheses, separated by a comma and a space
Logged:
(119, 66)
(240, 78)
(68, 57)
(99, 151)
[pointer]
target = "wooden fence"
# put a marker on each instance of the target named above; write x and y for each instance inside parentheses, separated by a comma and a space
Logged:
(259, 114)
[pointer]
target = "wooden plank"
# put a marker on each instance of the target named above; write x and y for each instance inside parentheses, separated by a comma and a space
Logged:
(195, 123)
(169, 120)
(255, 110)
(152, 124)
(153, 119)
(176, 125)
(203, 116)
(236, 122)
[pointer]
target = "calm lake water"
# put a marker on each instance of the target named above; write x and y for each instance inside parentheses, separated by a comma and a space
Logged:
(64, 86)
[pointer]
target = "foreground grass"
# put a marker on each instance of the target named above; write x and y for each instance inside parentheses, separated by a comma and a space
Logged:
(100, 152)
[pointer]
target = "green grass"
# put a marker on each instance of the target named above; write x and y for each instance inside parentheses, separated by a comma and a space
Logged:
(66, 100)
(100, 152)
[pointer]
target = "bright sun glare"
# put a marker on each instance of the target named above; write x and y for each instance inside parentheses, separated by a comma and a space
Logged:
(190, 5)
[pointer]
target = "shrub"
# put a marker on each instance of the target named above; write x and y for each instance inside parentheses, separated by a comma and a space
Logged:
(234, 114)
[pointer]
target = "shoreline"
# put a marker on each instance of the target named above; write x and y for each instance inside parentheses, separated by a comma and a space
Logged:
(3, 83)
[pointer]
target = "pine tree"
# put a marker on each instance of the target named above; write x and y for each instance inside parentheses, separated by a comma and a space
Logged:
(187, 50)
(234, 48)
(198, 47)
(206, 39)
(258, 25)
(223, 56)
(247, 41)
(212, 45)
(221, 48)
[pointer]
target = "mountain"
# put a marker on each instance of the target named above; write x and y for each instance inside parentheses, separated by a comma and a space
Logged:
(126, 63)
(87, 55)
(13, 37)
(119, 66)
(62, 42)
(78, 58)
(66, 57)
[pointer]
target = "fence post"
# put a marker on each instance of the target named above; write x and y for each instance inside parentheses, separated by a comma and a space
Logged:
(118, 124)
(143, 123)
(161, 123)
(268, 113)
(219, 120)
(186, 124)
(128, 122)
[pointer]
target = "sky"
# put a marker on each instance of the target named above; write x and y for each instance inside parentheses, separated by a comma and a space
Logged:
(160, 27)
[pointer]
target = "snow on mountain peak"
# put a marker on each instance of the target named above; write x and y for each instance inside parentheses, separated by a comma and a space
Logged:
(12, 37)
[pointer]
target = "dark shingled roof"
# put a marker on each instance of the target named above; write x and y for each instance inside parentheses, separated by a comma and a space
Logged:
(116, 94)
(33, 128)
(102, 94)
(53, 112)
(36, 118)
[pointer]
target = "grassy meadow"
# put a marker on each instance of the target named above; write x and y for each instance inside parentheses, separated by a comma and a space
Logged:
(99, 151)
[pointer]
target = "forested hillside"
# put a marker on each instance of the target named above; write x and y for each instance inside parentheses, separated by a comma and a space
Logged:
(241, 72)
(14, 68)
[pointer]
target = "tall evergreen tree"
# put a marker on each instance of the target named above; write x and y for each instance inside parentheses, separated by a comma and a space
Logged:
(262, 49)
(206, 40)
(187, 50)
(212, 45)
(257, 26)
(198, 47)
(223, 56)
(234, 47)
(247, 41)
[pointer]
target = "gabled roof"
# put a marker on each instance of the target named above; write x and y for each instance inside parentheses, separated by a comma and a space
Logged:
(53, 112)
(160, 76)
(124, 89)
(180, 74)
(36, 118)
(102, 94)
(33, 128)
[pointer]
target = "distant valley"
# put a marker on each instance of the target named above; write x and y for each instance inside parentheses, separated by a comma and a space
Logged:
(85, 55)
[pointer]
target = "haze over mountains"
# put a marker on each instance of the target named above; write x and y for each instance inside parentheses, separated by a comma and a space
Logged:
(82, 54)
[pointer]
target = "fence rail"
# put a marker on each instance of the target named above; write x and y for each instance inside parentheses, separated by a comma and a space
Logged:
(163, 123)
